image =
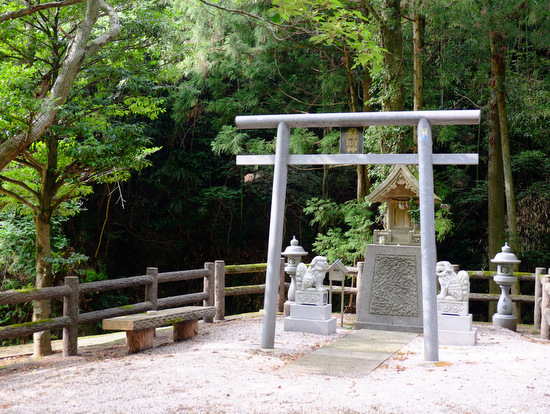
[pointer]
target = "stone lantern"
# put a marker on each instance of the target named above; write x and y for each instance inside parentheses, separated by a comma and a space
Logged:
(505, 261)
(293, 254)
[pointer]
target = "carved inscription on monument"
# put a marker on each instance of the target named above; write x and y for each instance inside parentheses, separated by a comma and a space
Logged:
(394, 287)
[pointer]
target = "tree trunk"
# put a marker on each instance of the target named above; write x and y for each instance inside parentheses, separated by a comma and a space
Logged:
(498, 48)
(352, 83)
(417, 60)
(496, 200)
(363, 179)
(42, 308)
(363, 182)
(325, 181)
(391, 39)
(42, 222)
(418, 26)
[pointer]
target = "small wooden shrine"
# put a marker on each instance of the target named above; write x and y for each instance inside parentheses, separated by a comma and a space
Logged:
(397, 191)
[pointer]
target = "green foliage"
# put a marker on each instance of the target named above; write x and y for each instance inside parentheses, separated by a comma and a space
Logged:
(17, 252)
(16, 96)
(98, 135)
(17, 246)
(302, 141)
(14, 314)
(90, 275)
(336, 23)
(229, 141)
(388, 139)
(414, 211)
(345, 229)
(443, 222)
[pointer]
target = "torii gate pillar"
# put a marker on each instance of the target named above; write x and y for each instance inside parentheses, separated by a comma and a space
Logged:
(425, 159)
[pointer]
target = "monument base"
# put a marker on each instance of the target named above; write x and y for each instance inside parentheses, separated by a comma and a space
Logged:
(456, 330)
(392, 326)
(505, 321)
(311, 319)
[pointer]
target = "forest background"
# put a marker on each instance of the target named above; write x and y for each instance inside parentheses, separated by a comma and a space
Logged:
(130, 161)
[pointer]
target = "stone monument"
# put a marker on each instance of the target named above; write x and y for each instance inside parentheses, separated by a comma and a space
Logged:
(310, 312)
(454, 321)
(391, 290)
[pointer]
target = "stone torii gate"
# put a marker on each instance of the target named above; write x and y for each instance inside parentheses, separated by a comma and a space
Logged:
(425, 160)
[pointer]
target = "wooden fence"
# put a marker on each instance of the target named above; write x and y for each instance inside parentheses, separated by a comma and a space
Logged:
(223, 271)
(214, 293)
(71, 291)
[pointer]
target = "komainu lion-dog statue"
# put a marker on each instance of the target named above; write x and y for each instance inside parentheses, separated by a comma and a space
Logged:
(454, 286)
(312, 278)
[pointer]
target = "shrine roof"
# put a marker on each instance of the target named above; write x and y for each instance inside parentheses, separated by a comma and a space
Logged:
(401, 184)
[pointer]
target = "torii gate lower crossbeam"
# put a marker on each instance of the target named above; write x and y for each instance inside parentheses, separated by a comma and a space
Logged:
(425, 160)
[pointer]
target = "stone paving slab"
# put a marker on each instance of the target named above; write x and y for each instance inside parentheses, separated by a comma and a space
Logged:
(355, 355)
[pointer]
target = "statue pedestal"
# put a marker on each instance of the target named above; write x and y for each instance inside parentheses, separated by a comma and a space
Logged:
(312, 297)
(310, 319)
(452, 307)
(456, 330)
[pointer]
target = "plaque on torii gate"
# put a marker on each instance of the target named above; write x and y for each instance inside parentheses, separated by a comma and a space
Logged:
(425, 160)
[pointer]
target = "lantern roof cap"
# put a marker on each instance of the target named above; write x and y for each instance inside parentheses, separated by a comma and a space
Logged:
(505, 256)
(294, 249)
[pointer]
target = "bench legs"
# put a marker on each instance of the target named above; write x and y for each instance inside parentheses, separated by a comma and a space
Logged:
(139, 340)
(142, 339)
(185, 330)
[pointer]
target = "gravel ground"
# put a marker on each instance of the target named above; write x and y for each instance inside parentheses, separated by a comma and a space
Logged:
(222, 370)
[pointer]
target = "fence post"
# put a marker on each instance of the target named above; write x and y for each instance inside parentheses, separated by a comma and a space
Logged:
(281, 305)
(360, 267)
(219, 295)
(151, 291)
(545, 304)
(70, 309)
(209, 288)
(539, 271)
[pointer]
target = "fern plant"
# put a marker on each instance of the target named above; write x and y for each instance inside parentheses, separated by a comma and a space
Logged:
(344, 229)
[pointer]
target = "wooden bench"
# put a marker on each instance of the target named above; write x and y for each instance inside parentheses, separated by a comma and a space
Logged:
(140, 328)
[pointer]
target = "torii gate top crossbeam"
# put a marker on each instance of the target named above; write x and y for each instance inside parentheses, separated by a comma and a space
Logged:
(358, 159)
(355, 119)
